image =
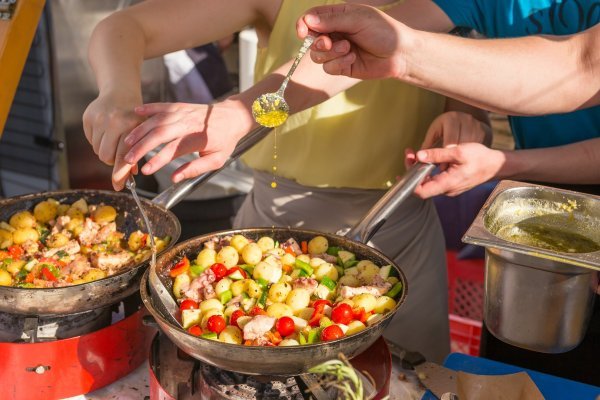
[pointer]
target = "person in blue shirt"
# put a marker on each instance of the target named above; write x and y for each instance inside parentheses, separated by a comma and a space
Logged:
(556, 76)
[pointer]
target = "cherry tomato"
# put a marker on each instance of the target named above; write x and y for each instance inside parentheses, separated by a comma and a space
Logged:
(195, 330)
(234, 317)
(342, 314)
(256, 310)
(180, 268)
(219, 269)
(188, 304)
(332, 332)
(216, 323)
(285, 326)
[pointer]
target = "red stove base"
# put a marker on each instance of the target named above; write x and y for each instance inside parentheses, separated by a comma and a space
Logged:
(79, 365)
(376, 360)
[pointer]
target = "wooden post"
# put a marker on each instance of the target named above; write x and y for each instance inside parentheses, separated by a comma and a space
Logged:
(16, 35)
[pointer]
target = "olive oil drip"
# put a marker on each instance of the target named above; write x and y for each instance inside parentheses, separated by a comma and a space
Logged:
(274, 167)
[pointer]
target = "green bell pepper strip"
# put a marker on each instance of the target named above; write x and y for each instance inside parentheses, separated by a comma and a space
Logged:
(196, 270)
(210, 335)
(395, 290)
(302, 273)
(262, 301)
(313, 335)
(301, 338)
(333, 251)
(324, 322)
(226, 296)
(329, 283)
(304, 267)
(263, 283)
(350, 264)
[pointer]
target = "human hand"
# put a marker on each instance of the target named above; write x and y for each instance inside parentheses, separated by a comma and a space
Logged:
(454, 127)
(464, 166)
(211, 130)
(105, 122)
(357, 41)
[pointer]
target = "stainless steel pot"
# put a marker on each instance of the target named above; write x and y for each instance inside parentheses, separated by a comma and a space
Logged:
(291, 360)
(112, 289)
(537, 299)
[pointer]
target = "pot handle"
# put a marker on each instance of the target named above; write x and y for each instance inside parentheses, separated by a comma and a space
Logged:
(177, 192)
(364, 230)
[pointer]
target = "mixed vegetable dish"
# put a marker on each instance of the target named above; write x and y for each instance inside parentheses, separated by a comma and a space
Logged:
(58, 244)
(265, 293)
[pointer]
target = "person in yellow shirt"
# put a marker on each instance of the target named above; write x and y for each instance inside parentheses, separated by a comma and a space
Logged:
(334, 160)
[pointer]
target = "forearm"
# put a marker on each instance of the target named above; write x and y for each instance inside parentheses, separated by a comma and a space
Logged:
(524, 76)
(577, 163)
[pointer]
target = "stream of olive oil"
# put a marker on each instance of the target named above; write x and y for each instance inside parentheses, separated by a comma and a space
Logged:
(274, 168)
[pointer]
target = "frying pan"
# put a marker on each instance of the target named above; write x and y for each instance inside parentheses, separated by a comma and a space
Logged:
(288, 360)
(110, 290)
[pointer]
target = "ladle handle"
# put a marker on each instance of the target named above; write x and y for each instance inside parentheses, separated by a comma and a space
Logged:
(364, 230)
(177, 192)
(308, 41)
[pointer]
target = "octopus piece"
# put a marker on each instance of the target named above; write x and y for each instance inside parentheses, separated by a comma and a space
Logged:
(293, 245)
(89, 232)
(198, 287)
(258, 326)
(309, 284)
(72, 247)
(111, 262)
(60, 224)
(327, 257)
(236, 301)
(209, 292)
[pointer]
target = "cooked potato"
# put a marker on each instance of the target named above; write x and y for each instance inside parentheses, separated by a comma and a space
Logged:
(265, 243)
(238, 287)
(6, 239)
(288, 259)
(392, 279)
(135, 240)
(22, 235)
(318, 245)
(273, 261)
(62, 209)
(304, 258)
(5, 278)
(355, 327)
(81, 205)
(384, 304)
(252, 254)
(22, 220)
(190, 317)
(222, 286)
(238, 242)
(230, 310)
(253, 289)
(180, 283)
(75, 214)
(206, 258)
(93, 275)
(228, 256)
(278, 310)
(328, 270)
(15, 266)
(304, 313)
(57, 240)
(277, 251)
(289, 342)
(211, 304)
(267, 271)
(347, 301)
(104, 214)
(316, 261)
(279, 292)
(366, 301)
(45, 211)
(231, 334)
(367, 271)
(298, 299)
(349, 280)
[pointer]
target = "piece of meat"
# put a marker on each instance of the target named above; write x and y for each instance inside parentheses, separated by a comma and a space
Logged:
(236, 301)
(30, 247)
(347, 291)
(327, 257)
(89, 232)
(78, 267)
(72, 247)
(111, 262)
(60, 223)
(40, 283)
(209, 292)
(309, 284)
(293, 245)
(105, 232)
(258, 326)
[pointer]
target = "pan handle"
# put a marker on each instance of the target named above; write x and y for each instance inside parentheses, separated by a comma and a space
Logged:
(177, 192)
(364, 230)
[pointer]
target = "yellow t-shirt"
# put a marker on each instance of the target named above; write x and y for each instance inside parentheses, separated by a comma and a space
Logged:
(357, 138)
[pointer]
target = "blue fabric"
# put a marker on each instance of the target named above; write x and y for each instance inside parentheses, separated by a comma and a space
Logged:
(516, 18)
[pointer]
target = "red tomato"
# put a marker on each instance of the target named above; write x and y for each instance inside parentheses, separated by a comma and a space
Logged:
(256, 310)
(319, 305)
(285, 326)
(216, 323)
(15, 251)
(234, 317)
(360, 314)
(332, 332)
(188, 304)
(195, 330)
(180, 268)
(233, 269)
(219, 269)
(342, 314)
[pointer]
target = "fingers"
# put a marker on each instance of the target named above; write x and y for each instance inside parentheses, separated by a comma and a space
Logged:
(410, 158)
(197, 167)
(326, 19)
(340, 66)
(443, 183)
(149, 109)
(438, 156)
(152, 133)
(121, 169)
(168, 153)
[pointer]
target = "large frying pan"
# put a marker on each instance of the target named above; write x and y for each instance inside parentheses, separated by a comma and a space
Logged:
(110, 290)
(294, 359)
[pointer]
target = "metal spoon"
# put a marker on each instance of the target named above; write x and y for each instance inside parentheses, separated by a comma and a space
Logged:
(271, 109)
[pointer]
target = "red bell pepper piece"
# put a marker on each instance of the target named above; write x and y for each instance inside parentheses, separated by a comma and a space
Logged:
(233, 269)
(144, 240)
(48, 275)
(256, 310)
(304, 246)
(180, 268)
(15, 251)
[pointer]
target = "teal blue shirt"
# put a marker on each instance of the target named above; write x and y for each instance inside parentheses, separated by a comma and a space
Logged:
(517, 18)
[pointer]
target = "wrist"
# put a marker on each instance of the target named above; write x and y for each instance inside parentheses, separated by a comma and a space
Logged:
(409, 41)
(510, 167)
(241, 109)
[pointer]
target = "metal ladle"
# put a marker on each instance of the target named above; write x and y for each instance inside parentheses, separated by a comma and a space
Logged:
(271, 109)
